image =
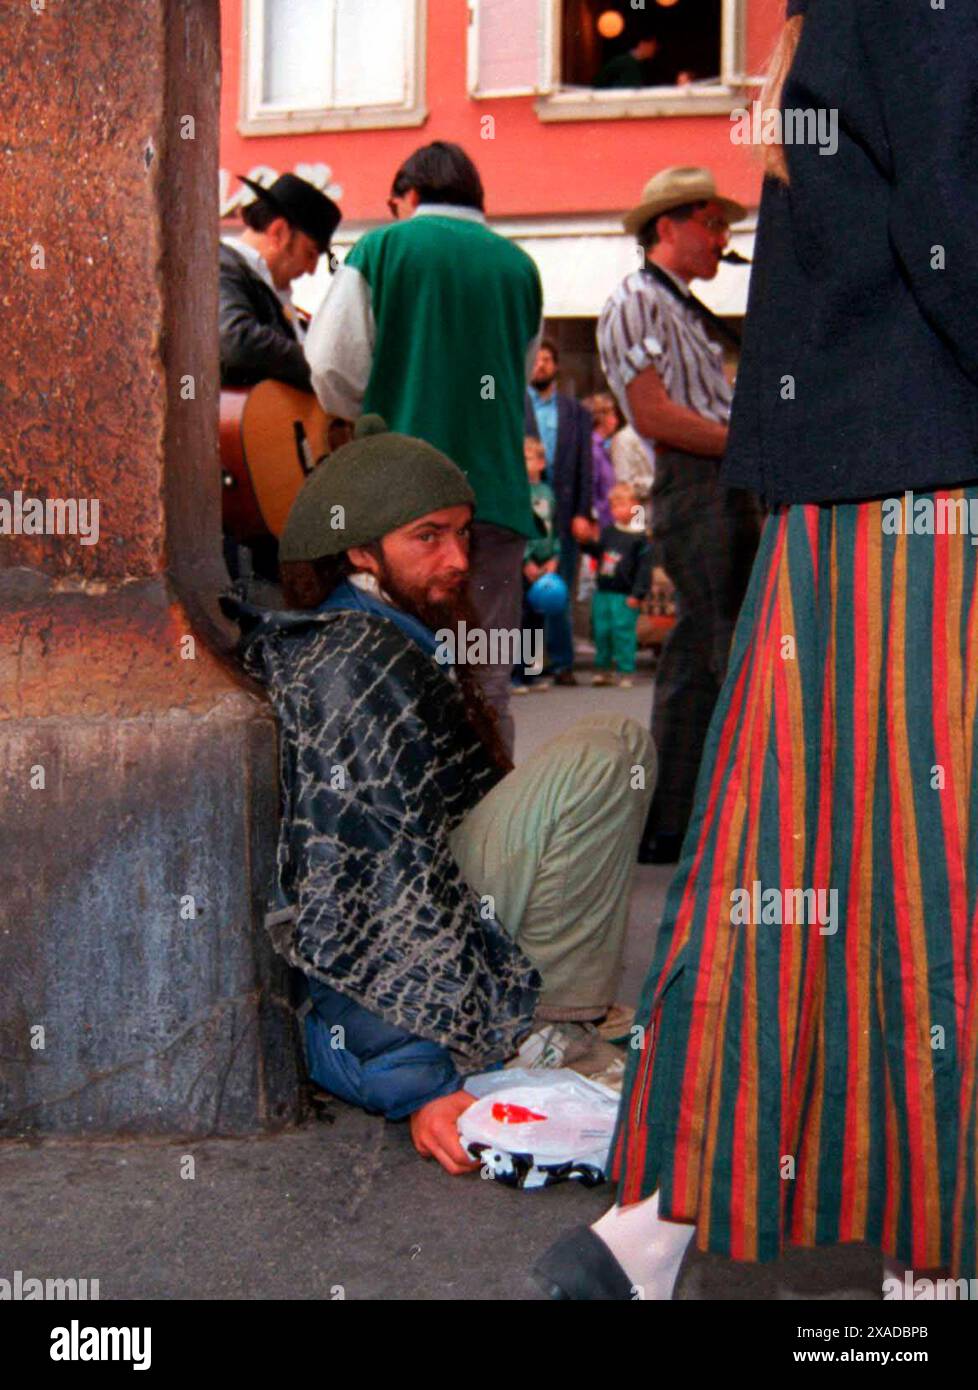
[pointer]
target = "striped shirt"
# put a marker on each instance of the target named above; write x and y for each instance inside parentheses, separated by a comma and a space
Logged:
(644, 325)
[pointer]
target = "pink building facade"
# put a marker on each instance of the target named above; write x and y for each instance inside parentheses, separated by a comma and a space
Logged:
(341, 91)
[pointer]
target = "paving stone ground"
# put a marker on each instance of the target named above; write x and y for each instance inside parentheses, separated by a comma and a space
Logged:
(345, 1203)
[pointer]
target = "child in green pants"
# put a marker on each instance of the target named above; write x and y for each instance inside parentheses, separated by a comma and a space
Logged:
(624, 574)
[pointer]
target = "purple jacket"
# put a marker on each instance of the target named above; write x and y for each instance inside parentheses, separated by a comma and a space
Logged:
(602, 479)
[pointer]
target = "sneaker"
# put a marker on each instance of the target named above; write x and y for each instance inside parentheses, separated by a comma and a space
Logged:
(565, 678)
(601, 678)
(576, 1045)
(625, 683)
(556, 1045)
(540, 685)
(520, 689)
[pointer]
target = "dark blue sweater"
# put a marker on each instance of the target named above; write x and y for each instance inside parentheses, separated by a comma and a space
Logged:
(859, 375)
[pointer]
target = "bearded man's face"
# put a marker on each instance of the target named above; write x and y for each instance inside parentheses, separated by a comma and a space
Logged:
(424, 566)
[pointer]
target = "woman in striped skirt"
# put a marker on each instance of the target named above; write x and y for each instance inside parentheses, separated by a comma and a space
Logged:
(808, 1033)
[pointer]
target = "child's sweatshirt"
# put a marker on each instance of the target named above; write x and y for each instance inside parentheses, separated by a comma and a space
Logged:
(624, 561)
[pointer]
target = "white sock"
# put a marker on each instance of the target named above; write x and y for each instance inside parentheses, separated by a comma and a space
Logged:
(648, 1249)
(893, 1272)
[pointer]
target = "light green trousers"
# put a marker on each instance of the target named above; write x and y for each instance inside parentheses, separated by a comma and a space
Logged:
(554, 845)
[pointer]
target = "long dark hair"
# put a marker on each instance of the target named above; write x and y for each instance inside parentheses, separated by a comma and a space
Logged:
(308, 583)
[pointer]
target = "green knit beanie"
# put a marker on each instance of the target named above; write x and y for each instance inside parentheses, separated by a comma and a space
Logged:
(369, 487)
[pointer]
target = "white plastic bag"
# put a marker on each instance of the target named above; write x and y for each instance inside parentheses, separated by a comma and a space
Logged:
(536, 1128)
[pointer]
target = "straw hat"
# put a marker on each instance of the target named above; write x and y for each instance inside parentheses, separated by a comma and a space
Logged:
(671, 188)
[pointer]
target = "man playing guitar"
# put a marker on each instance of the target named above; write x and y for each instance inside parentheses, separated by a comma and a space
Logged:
(288, 227)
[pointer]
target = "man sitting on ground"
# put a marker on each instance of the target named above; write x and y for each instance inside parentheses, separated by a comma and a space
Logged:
(445, 908)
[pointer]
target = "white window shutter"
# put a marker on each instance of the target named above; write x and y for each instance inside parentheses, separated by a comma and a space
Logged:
(509, 44)
(374, 52)
(297, 42)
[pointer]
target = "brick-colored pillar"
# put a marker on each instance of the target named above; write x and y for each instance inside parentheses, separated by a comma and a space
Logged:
(137, 768)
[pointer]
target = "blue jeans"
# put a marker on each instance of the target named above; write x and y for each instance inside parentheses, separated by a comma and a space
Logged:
(355, 1055)
(557, 626)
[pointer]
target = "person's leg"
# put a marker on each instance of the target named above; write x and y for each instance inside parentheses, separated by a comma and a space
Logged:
(553, 845)
(356, 1056)
(649, 1250)
(533, 623)
(558, 626)
(686, 687)
(708, 552)
(519, 676)
(496, 585)
(601, 630)
(624, 634)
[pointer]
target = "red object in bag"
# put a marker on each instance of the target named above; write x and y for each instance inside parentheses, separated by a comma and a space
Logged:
(507, 1114)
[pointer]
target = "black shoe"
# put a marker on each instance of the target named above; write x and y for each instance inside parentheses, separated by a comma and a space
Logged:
(579, 1266)
(565, 678)
(663, 848)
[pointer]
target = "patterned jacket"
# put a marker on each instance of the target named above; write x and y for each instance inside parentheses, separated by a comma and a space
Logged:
(378, 766)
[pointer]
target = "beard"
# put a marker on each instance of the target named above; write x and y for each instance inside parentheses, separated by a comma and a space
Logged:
(543, 380)
(415, 599)
(449, 612)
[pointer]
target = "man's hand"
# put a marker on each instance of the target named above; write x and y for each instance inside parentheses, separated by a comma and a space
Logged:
(551, 567)
(435, 1133)
(582, 529)
(633, 602)
(532, 571)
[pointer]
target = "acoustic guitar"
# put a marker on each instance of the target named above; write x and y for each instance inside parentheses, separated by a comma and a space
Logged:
(271, 437)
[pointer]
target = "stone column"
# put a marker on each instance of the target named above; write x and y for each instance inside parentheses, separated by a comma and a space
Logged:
(137, 767)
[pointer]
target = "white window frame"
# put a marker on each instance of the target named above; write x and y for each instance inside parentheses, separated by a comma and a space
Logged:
(557, 103)
(258, 117)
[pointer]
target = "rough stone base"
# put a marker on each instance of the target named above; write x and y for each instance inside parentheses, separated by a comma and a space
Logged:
(140, 810)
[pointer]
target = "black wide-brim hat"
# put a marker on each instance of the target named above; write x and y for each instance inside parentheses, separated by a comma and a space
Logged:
(301, 205)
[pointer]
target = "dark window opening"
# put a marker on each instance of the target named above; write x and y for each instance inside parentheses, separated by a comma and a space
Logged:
(664, 45)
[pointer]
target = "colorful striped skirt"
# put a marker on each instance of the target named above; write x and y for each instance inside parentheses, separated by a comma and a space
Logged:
(805, 1069)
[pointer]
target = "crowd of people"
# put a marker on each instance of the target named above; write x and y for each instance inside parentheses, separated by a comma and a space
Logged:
(450, 913)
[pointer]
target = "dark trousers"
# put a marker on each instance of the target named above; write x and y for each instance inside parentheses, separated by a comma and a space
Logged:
(531, 621)
(706, 537)
(559, 626)
(496, 586)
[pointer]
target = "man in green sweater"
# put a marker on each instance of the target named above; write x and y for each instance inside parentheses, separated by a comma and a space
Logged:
(433, 323)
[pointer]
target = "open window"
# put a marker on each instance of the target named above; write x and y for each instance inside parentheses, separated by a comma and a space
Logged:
(587, 59)
(611, 47)
(331, 65)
